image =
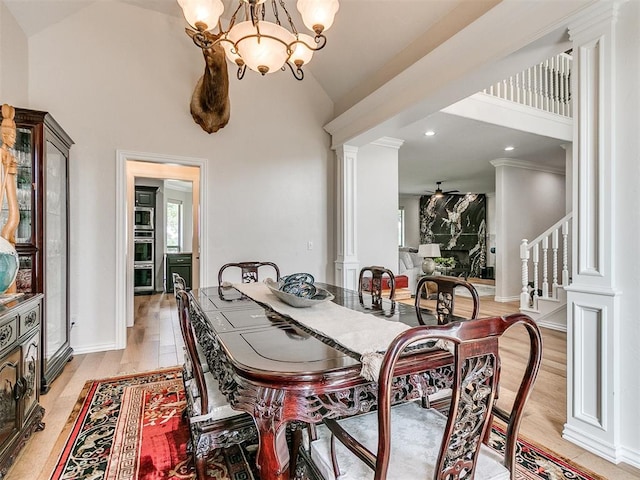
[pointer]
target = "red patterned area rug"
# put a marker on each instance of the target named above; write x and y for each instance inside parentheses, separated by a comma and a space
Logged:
(131, 427)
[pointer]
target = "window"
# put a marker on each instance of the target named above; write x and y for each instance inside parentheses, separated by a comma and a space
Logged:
(401, 227)
(174, 226)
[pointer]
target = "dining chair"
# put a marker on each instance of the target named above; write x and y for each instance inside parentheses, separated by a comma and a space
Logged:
(248, 270)
(408, 441)
(445, 298)
(179, 285)
(213, 422)
(374, 284)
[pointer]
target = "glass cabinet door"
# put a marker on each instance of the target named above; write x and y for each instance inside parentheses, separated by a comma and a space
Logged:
(24, 189)
(23, 153)
(24, 179)
(55, 178)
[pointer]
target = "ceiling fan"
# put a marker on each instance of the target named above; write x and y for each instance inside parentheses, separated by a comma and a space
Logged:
(439, 192)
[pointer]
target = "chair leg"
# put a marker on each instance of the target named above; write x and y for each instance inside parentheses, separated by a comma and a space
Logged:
(296, 441)
(201, 467)
(334, 458)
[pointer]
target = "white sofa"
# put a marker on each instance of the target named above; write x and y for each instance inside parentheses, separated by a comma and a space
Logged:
(410, 264)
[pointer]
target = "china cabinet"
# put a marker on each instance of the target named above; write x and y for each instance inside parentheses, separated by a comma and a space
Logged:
(42, 156)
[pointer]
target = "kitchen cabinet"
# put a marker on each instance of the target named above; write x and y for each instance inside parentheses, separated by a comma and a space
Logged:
(42, 156)
(146, 196)
(179, 263)
(20, 410)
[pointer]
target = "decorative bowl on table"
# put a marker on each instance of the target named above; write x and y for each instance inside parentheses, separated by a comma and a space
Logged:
(298, 290)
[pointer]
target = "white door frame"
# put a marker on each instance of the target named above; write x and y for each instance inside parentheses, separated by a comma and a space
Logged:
(130, 165)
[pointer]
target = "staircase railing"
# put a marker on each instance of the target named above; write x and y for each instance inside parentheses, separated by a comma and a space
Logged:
(546, 86)
(544, 253)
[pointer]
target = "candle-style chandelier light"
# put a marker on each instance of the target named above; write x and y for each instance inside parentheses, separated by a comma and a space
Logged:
(264, 46)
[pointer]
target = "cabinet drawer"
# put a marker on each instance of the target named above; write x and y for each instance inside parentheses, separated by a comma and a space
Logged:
(29, 320)
(8, 333)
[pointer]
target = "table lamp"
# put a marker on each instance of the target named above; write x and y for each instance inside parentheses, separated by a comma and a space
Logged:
(429, 251)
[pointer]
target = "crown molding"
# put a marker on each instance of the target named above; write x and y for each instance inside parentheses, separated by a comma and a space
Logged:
(526, 165)
(389, 142)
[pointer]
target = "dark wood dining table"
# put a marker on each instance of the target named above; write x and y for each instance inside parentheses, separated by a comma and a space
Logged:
(281, 372)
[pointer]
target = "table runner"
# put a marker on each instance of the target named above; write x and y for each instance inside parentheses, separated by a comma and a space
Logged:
(362, 333)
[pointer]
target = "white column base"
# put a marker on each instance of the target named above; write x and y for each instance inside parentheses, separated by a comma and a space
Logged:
(346, 274)
(593, 383)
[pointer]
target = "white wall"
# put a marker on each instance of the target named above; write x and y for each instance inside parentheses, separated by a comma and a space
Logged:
(377, 203)
(127, 85)
(14, 55)
(528, 201)
(411, 204)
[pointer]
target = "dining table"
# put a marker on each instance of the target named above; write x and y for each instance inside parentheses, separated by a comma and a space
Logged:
(282, 371)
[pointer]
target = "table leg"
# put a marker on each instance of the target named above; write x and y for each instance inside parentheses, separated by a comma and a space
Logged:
(273, 452)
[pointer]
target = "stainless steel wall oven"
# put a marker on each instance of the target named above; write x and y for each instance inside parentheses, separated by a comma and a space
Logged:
(143, 277)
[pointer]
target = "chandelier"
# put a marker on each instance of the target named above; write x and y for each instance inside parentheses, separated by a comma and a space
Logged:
(264, 46)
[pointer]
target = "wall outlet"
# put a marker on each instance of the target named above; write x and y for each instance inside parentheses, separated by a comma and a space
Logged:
(309, 245)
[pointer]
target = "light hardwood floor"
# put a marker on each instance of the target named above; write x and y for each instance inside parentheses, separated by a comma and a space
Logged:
(155, 341)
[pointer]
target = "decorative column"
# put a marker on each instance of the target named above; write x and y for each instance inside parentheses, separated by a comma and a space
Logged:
(593, 304)
(346, 264)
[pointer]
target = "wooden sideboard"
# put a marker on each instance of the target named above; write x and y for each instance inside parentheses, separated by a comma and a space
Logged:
(20, 365)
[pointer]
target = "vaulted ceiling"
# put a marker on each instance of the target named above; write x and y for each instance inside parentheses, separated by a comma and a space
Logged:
(370, 42)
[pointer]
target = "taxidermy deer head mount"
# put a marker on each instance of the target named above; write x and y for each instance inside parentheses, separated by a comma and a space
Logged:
(210, 107)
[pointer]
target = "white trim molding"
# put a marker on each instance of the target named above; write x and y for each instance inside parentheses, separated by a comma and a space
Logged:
(389, 142)
(124, 254)
(526, 165)
(593, 304)
(346, 263)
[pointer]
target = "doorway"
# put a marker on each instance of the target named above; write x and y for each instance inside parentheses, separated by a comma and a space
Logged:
(132, 165)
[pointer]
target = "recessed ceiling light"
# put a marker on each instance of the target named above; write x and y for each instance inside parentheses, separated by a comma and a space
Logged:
(429, 133)
(508, 149)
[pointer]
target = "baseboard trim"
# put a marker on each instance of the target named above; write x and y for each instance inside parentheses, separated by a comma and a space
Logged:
(592, 444)
(552, 326)
(104, 347)
(631, 457)
(507, 299)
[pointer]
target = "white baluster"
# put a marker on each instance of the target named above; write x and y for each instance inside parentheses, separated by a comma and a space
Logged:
(524, 257)
(545, 267)
(545, 105)
(565, 254)
(554, 246)
(535, 85)
(511, 95)
(529, 89)
(541, 86)
(536, 262)
(563, 103)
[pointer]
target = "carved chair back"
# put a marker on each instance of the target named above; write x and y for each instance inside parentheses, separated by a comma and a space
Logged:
(476, 374)
(249, 270)
(193, 365)
(445, 297)
(214, 423)
(374, 283)
(179, 284)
